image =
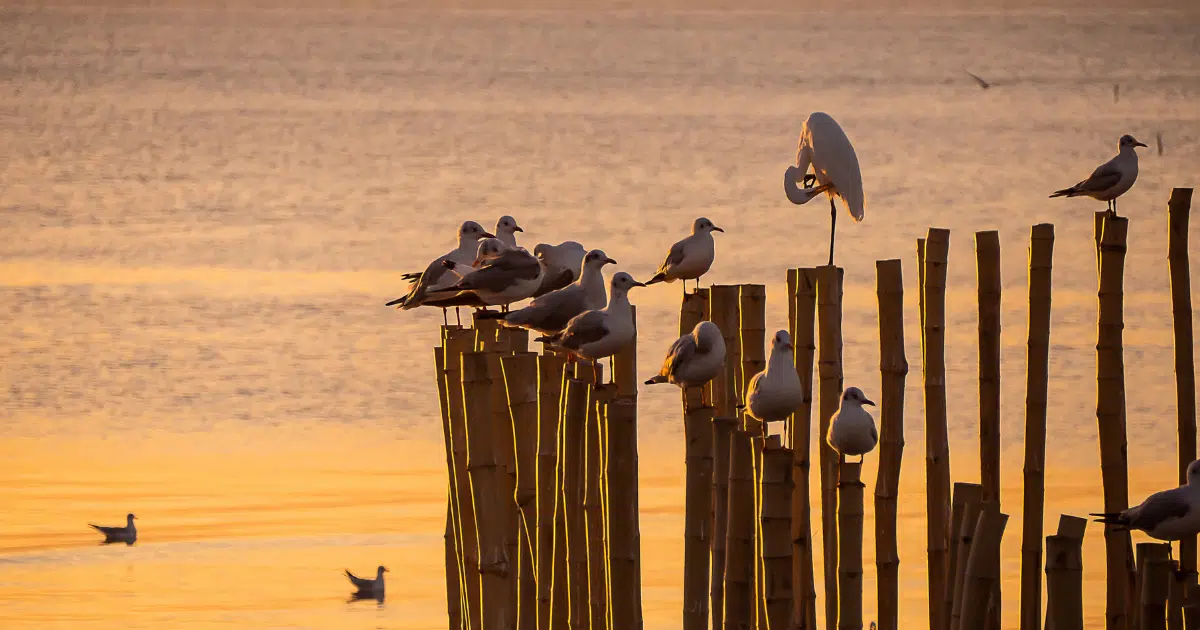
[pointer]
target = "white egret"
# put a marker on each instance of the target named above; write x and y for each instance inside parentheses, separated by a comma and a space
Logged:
(825, 147)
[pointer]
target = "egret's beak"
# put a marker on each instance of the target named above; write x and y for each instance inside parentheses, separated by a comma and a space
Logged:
(794, 192)
(868, 402)
(1139, 144)
(487, 235)
(609, 261)
(717, 229)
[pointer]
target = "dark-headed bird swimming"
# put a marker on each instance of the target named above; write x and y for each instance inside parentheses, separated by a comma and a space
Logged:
(127, 534)
(366, 587)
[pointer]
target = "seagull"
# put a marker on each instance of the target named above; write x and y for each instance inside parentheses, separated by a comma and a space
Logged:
(775, 393)
(690, 258)
(852, 429)
(127, 534)
(1168, 515)
(561, 263)
(549, 313)
(694, 359)
(504, 275)
(435, 275)
(368, 587)
(825, 146)
(506, 229)
(1111, 179)
(978, 79)
(600, 333)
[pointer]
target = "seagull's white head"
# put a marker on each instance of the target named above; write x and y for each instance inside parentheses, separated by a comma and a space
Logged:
(856, 396)
(706, 334)
(704, 226)
(472, 231)
(782, 342)
(622, 282)
(596, 259)
(1193, 473)
(1128, 141)
(488, 247)
(507, 225)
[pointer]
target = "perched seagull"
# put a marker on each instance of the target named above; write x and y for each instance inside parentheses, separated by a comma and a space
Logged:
(690, 258)
(504, 275)
(775, 393)
(127, 534)
(549, 313)
(1168, 515)
(978, 79)
(852, 429)
(694, 359)
(506, 229)
(436, 275)
(367, 587)
(825, 147)
(561, 263)
(602, 333)
(1111, 179)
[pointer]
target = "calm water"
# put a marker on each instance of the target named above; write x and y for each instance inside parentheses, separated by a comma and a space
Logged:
(203, 212)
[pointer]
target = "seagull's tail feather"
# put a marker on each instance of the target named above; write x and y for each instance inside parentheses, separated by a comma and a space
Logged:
(656, 379)
(1111, 518)
(1066, 192)
(547, 339)
(397, 302)
(96, 527)
(658, 277)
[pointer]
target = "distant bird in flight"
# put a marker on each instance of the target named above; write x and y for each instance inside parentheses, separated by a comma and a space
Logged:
(1168, 515)
(366, 587)
(978, 79)
(1111, 179)
(127, 534)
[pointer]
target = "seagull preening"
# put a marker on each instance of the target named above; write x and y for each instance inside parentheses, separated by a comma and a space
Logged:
(549, 313)
(691, 257)
(694, 359)
(1111, 179)
(366, 587)
(852, 429)
(127, 534)
(776, 392)
(1168, 515)
(561, 263)
(825, 147)
(601, 333)
(436, 276)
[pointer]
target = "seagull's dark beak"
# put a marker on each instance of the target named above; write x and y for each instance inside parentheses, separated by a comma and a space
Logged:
(518, 229)
(868, 402)
(717, 229)
(386, 570)
(1139, 144)
(609, 261)
(639, 284)
(487, 235)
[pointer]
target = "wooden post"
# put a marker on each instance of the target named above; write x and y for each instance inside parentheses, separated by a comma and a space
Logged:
(489, 492)
(752, 326)
(987, 256)
(937, 448)
(802, 291)
(625, 365)
(970, 514)
(1110, 413)
(455, 603)
(776, 533)
(739, 606)
(723, 307)
(520, 383)
(964, 494)
(983, 567)
(1191, 607)
(1178, 209)
(1037, 358)
(829, 366)
(893, 368)
(505, 452)
(1175, 597)
(549, 387)
(698, 437)
(575, 409)
(1064, 583)
(625, 536)
(1155, 581)
(1070, 528)
(850, 534)
(455, 343)
(593, 506)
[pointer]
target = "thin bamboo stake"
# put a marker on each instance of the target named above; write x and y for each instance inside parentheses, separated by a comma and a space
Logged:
(850, 534)
(1064, 583)
(489, 492)
(893, 368)
(455, 604)
(970, 514)
(921, 294)
(1191, 607)
(1178, 209)
(520, 384)
(1037, 358)
(1135, 607)
(593, 506)
(739, 606)
(776, 533)
(723, 307)
(803, 292)
(550, 377)
(505, 450)
(937, 448)
(829, 366)
(560, 604)
(575, 408)
(983, 567)
(453, 583)
(625, 364)
(987, 256)
(758, 443)
(1175, 597)
(455, 343)
(1155, 581)
(964, 494)
(625, 537)
(1110, 414)
(698, 437)
(752, 301)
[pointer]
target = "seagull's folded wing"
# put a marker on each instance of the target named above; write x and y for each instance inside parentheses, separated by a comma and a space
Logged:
(583, 329)
(680, 352)
(1157, 509)
(1104, 177)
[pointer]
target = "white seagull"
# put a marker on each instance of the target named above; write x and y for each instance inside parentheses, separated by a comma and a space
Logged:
(852, 429)
(694, 359)
(549, 313)
(503, 276)
(561, 263)
(825, 147)
(690, 258)
(1168, 515)
(776, 393)
(506, 229)
(436, 276)
(366, 587)
(602, 333)
(1112, 178)
(127, 534)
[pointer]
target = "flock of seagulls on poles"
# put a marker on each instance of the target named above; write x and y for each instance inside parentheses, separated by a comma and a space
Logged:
(572, 312)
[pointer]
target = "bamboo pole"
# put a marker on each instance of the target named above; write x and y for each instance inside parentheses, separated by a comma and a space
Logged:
(575, 408)
(829, 366)
(560, 605)
(1155, 582)
(937, 448)
(1064, 583)
(505, 451)
(1041, 261)
(752, 299)
(983, 567)
(455, 604)
(776, 533)
(739, 606)
(625, 365)
(970, 514)
(850, 534)
(802, 290)
(593, 506)
(1175, 597)
(921, 294)
(549, 388)
(455, 343)
(489, 492)
(758, 444)
(625, 537)
(893, 368)
(1191, 607)
(453, 583)
(964, 494)
(723, 307)
(698, 437)
(987, 256)
(1110, 413)
(520, 384)
(1178, 209)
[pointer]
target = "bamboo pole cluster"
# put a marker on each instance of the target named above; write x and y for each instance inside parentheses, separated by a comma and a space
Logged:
(802, 319)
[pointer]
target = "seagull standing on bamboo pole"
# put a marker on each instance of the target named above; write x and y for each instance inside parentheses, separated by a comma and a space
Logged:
(594, 335)
(1112, 178)
(500, 274)
(776, 392)
(1168, 515)
(436, 276)
(549, 313)
(824, 146)
(561, 263)
(690, 258)
(852, 429)
(694, 359)
(506, 229)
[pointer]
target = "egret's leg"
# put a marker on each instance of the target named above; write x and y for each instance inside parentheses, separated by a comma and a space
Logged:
(832, 227)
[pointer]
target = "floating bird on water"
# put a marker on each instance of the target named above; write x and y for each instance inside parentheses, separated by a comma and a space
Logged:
(694, 359)
(690, 258)
(549, 313)
(506, 229)
(504, 275)
(561, 263)
(436, 275)
(601, 333)
(978, 79)
(1168, 515)
(366, 587)
(1111, 179)
(825, 147)
(127, 534)
(852, 429)
(776, 392)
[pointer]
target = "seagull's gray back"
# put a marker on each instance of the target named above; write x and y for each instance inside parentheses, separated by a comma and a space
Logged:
(552, 311)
